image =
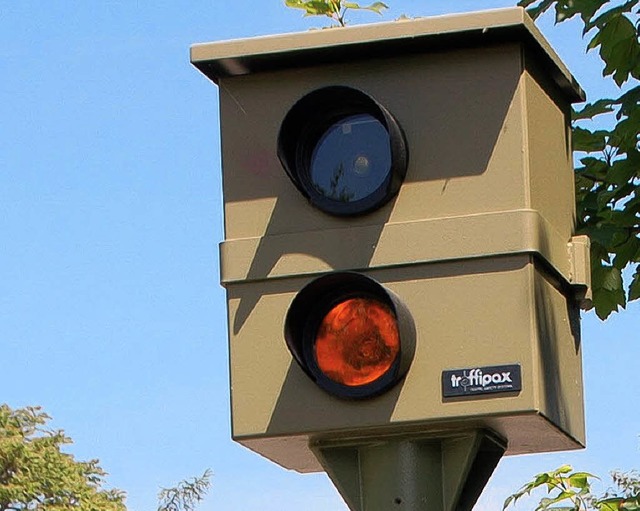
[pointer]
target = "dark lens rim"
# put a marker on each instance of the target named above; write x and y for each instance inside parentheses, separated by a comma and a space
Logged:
(305, 125)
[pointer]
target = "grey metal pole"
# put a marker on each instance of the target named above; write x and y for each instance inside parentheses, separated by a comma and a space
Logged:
(402, 475)
(437, 473)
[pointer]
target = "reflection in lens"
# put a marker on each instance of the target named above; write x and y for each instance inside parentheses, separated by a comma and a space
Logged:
(357, 341)
(361, 166)
(352, 159)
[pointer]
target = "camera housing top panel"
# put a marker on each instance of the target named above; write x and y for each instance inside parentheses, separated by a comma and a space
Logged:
(432, 157)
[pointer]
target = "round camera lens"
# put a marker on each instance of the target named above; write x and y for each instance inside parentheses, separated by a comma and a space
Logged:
(352, 159)
(343, 150)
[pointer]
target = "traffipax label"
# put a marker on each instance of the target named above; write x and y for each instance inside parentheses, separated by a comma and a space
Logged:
(481, 380)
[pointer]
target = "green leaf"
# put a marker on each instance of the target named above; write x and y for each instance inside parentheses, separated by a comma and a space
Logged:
(627, 252)
(625, 135)
(632, 504)
(619, 47)
(313, 7)
(334, 9)
(508, 501)
(608, 14)
(602, 106)
(537, 10)
(564, 469)
(375, 7)
(541, 479)
(608, 505)
(608, 293)
(593, 168)
(580, 480)
(588, 141)
(606, 302)
(567, 9)
(526, 3)
(612, 279)
(617, 504)
(621, 172)
(564, 495)
(605, 234)
(295, 4)
(629, 102)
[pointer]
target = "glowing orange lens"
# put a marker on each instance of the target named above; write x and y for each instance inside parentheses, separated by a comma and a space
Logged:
(357, 341)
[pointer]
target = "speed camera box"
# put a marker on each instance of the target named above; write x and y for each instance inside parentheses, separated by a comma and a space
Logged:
(476, 238)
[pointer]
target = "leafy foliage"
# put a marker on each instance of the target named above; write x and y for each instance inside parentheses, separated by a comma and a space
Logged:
(608, 167)
(572, 491)
(36, 475)
(334, 9)
(185, 495)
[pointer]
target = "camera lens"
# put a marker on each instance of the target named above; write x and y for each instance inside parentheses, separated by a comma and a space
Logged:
(343, 150)
(352, 159)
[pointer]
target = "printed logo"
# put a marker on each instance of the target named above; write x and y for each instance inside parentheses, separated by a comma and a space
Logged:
(481, 380)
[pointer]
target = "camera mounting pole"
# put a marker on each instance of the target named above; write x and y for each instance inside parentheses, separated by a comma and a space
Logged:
(421, 473)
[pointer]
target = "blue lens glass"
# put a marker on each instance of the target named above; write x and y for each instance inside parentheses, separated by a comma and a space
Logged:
(352, 159)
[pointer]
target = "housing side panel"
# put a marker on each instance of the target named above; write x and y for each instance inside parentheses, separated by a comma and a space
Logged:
(550, 167)
(559, 362)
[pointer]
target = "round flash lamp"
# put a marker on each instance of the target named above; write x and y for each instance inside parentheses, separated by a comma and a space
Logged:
(349, 334)
(357, 341)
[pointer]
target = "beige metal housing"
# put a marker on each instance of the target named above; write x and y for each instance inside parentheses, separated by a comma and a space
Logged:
(478, 242)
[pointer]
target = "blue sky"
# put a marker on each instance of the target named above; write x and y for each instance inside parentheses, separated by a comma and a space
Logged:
(111, 315)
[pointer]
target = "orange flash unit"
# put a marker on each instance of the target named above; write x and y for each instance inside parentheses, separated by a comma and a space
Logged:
(352, 336)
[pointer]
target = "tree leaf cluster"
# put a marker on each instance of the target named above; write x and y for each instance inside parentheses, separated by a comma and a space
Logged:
(185, 495)
(333, 9)
(612, 26)
(36, 475)
(567, 490)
